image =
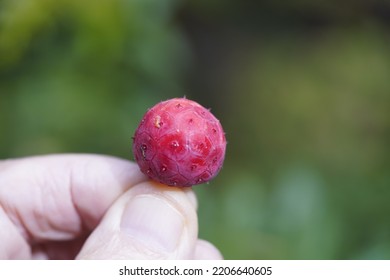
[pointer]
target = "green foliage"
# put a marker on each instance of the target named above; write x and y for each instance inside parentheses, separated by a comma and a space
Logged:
(77, 76)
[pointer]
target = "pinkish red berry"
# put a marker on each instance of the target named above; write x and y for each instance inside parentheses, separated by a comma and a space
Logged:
(179, 143)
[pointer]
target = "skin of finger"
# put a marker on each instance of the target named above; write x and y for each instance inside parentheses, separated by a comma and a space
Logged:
(204, 250)
(108, 241)
(57, 197)
(15, 246)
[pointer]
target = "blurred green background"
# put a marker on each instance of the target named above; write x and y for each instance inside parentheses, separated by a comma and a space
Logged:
(301, 87)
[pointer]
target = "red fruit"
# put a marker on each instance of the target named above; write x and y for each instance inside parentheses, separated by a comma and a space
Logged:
(179, 143)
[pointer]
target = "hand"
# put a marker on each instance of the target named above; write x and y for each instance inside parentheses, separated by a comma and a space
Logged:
(94, 207)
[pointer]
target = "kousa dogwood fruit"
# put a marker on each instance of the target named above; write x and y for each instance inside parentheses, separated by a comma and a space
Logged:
(179, 143)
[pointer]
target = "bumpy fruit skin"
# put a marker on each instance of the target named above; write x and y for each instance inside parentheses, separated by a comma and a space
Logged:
(179, 143)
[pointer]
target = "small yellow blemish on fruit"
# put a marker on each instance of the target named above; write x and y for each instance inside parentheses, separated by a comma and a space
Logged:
(157, 121)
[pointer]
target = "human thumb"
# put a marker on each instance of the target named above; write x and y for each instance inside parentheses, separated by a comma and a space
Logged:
(149, 221)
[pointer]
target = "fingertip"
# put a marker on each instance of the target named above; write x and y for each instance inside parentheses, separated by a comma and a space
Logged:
(150, 221)
(97, 181)
(153, 186)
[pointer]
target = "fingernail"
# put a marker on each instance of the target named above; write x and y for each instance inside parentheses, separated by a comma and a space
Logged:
(154, 222)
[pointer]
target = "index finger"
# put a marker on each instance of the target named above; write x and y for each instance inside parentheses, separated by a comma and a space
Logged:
(57, 197)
